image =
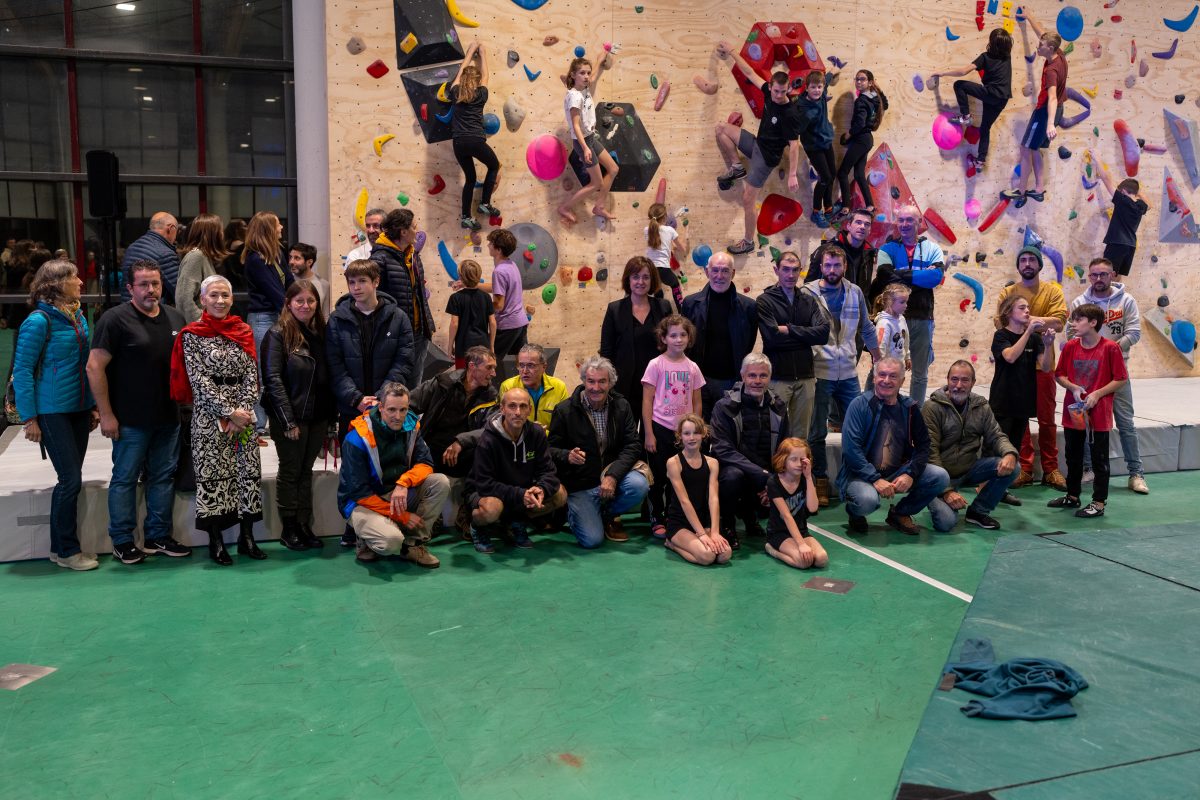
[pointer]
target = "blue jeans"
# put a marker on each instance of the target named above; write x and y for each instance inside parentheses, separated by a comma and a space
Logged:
(65, 438)
(945, 517)
(844, 391)
(585, 511)
(1123, 419)
(157, 451)
(260, 322)
(920, 342)
(862, 499)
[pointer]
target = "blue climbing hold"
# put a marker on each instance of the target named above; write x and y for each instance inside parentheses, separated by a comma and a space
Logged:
(491, 124)
(1183, 335)
(445, 118)
(447, 261)
(530, 5)
(579, 51)
(701, 255)
(754, 51)
(1182, 25)
(951, 37)
(533, 76)
(1069, 23)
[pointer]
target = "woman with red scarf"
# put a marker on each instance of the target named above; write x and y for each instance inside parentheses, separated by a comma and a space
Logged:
(214, 368)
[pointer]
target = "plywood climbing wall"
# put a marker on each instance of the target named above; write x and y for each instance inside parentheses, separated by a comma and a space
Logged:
(673, 41)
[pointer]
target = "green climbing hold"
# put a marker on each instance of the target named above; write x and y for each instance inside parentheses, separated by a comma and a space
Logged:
(685, 222)
(1070, 48)
(683, 279)
(531, 247)
(1088, 169)
(639, 9)
(753, 35)
(402, 198)
(775, 254)
(1095, 131)
(1072, 215)
(629, 120)
(549, 292)
(763, 241)
(648, 155)
(653, 81)
(545, 263)
(636, 204)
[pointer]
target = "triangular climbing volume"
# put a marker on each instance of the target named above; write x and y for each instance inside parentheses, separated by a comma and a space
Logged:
(1176, 224)
(1184, 132)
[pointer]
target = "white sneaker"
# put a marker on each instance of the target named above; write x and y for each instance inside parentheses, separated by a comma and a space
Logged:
(1088, 476)
(1138, 484)
(79, 562)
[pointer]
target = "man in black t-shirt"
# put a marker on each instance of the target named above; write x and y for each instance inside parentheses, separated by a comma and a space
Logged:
(778, 130)
(129, 371)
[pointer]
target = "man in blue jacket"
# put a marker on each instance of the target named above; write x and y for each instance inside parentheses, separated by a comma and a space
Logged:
(917, 263)
(885, 453)
(726, 327)
(387, 487)
(157, 245)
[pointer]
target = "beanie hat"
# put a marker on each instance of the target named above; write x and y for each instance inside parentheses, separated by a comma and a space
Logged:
(1036, 251)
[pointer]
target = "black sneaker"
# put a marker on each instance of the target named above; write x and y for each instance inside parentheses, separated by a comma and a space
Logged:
(1010, 499)
(734, 173)
(741, 246)
(1011, 194)
(982, 520)
(1066, 501)
(1090, 510)
(128, 553)
(520, 536)
(1037, 197)
(858, 524)
(481, 540)
(488, 210)
(167, 547)
(734, 542)
(349, 537)
(469, 222)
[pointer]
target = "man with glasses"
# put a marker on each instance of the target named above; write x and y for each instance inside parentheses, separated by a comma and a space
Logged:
(157, 245)
(546, 391)
(726, 328)
(1123, 325)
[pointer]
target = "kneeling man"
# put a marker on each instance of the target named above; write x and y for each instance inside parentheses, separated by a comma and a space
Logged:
(966, 441)
(885, 452)
(512, 479)
(387, 487)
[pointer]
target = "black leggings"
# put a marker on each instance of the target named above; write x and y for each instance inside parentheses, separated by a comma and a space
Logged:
(466, 151)
(1076, 440)
(822, 162)
(1013, 428)
(991, 110)
(855, 158)
(664, 445)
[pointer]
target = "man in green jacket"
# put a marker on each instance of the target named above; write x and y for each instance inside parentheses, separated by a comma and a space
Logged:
(966, 441)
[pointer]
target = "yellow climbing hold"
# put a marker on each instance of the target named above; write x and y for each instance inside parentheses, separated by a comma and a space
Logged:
(409, 43)
(441, 94)
(1092, 91)
(379, 141)
(360, 209)
(459, 16)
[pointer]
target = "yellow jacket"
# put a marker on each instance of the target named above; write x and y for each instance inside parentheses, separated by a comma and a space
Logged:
(554, 392)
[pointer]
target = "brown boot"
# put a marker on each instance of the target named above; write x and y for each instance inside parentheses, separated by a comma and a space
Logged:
(822, 488)
(419, 554)
(1055, 480)
(1024, 479)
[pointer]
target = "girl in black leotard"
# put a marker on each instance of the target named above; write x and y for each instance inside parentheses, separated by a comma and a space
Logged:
(693, 516)
(469, 93)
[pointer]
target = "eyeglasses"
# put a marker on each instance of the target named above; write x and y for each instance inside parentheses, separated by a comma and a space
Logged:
(525, 365)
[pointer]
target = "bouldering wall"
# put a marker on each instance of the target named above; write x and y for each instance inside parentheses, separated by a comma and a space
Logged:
(664, 55)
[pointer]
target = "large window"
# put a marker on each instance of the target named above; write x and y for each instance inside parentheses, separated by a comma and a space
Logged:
(194, 97)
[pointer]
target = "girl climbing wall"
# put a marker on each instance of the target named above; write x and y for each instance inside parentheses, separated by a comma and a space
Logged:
(869, 106)
(581, 122)
(995, 67)
(469, 93)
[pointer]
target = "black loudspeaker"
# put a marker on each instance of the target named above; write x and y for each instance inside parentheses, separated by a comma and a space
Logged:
(106, 195)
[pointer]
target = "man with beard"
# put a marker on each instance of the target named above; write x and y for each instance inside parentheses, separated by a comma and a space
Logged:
(966, 441)
(834, 363)
(860, 256)
(1048, 306)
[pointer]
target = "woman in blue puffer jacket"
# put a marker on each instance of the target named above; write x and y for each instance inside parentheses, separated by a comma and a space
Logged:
(53, 397)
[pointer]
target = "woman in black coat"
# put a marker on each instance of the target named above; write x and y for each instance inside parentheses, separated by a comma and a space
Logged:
(627, 337)
(298, 399)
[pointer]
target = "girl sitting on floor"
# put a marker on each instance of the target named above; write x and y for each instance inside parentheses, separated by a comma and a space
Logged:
(695, 513)
(792, 503)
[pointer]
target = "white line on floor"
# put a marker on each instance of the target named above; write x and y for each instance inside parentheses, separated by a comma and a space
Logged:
(443, 630)
(866, 551)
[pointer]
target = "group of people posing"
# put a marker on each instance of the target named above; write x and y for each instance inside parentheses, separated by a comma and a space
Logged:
(679, 411)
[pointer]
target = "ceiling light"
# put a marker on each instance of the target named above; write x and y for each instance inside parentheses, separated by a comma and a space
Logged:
(270, 99)
(126, 7)
(135, 69)
(140, 89)
(243, 144)
(148, 98)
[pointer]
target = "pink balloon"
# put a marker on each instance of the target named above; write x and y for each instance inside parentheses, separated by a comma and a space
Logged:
(972, 208)
(546, 157)
(946, 135)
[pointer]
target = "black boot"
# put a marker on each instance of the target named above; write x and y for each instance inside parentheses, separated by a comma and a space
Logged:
(246, 543)
(310, 539)
(216, 548)
(292, 535)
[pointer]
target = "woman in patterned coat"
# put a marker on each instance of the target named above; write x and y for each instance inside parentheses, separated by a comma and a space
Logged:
(214, 367)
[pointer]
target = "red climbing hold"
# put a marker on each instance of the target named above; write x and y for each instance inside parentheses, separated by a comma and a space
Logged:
(993, 215)
(778, 212)
(971, 134)
(584, 275)
(964, 304)
(735, 119)
(528, 256)
(438, 185)
(1129, 147)
(661, 195)
(496, 221)
(425, 112)
(938, 224)
(377, 69)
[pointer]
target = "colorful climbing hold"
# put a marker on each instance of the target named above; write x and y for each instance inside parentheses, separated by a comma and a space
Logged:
(1184, 24)
(545, 157)
(549, 292)
(377, 69)
(1069, 23)
(579, 51)
(402, 198)
(653, 81)
(355, 45)
(533, 76)
(950, 35)
(1129, 147)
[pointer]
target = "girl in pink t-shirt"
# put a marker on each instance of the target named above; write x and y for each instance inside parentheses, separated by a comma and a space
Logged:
(670, 390)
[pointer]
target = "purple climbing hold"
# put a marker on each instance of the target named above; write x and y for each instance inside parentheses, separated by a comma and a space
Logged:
(918, 83)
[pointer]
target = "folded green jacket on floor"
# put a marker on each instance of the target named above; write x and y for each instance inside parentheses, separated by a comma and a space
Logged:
(1020, 688)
